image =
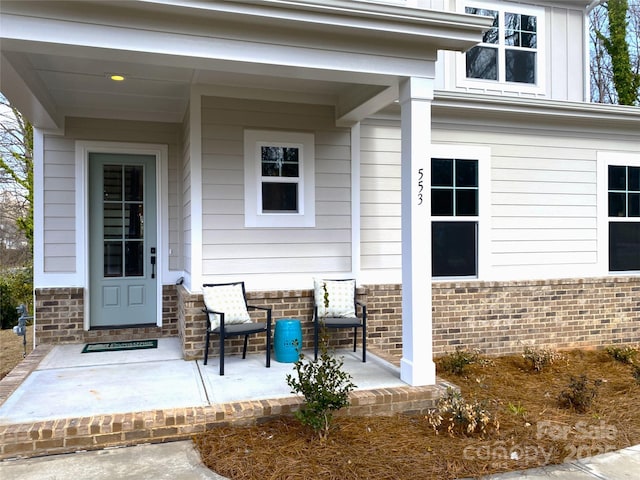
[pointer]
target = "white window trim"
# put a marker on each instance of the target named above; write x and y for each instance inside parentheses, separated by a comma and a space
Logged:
(605, 159)
(512, 87)
(306, 214)
(483, 156)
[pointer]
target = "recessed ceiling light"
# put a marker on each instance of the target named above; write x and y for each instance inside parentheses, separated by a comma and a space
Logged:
(116, 77)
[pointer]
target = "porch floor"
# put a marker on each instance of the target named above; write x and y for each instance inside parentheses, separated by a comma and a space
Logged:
(69, 400)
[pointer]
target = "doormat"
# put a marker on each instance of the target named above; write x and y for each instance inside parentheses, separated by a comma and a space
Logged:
(118, 346)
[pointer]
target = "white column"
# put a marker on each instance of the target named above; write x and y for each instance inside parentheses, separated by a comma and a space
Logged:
(417, 366)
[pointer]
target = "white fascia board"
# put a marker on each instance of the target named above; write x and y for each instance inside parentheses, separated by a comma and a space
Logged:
(592, 112)
(336, 37)
(449, 30)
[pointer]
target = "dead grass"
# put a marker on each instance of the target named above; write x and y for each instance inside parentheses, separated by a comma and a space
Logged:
(534, 430)
(12, 349)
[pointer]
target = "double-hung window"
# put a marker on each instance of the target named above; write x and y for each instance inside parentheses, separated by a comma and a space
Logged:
(454, 217)
(279, 179)
(511, 50)
(623, 204)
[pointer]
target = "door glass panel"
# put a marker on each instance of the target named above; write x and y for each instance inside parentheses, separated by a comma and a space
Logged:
(113, 259)
(134, 220)
(133, 183)
(112, 182)
(112, 217)
(123, 220)
(134, 259)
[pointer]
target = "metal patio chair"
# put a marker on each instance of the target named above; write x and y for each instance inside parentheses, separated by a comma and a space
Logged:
(335, 306)
(228, 316)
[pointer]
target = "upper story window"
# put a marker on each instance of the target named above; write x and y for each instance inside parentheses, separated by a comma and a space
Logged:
(511, 51)
(279, 179)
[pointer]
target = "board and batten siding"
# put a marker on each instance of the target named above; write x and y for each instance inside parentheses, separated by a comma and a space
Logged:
(59, 230)
(563, 61)
(268, 255)
(543, 199)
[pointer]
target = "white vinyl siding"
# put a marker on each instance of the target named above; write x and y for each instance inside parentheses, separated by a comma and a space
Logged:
(543, 198)
(380, 191)
(231, 251)
(59, 205)
(59, 181)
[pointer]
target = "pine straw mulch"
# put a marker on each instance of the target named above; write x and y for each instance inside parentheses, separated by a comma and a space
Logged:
(534, 430)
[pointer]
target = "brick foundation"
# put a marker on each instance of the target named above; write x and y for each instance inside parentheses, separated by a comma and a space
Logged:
(60, 318)
(296, 304)
(500, 317)
(495, 317)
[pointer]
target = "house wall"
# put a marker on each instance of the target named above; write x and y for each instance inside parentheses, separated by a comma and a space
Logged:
(267, 256)
(564, 61)
(543, 211)
(60, 318)
(59, 230)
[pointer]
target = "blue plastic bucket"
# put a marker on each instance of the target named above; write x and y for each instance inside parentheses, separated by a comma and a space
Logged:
(287, 340)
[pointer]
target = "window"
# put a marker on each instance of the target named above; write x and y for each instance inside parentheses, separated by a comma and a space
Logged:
(510, 51)
(623, 204)
(454, 214)
(279, 179)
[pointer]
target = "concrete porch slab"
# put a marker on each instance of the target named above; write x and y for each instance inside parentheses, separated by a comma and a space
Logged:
(61, 400)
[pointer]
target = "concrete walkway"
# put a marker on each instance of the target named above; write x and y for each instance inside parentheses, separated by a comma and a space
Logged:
(180, 461)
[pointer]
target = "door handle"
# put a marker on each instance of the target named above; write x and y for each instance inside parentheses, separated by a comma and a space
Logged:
(153, 262)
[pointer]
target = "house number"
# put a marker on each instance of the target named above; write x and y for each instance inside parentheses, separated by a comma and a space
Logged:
(420, 185)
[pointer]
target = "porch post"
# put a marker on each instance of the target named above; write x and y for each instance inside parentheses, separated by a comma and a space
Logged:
(417, 366)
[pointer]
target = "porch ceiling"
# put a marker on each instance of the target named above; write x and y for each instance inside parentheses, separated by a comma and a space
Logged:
(57, 56)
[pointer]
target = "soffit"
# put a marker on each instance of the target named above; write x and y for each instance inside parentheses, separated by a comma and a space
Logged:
(311, 52)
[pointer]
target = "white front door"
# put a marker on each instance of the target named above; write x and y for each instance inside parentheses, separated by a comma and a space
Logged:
(122, 240)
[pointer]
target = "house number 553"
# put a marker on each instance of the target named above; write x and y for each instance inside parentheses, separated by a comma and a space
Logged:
(420, 185)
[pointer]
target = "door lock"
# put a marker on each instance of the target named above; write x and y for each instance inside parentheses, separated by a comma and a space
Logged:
(153, 262)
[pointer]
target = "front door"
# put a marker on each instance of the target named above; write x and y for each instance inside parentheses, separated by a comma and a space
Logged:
(122, 242)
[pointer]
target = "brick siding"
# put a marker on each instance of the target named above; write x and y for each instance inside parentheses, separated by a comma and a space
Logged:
(501, 317)
(495, 317)
(60, 318)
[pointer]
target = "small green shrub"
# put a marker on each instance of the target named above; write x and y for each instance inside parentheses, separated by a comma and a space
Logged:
(580, 393)
(636, 373)
(539, 358)
(622, 354)
(457, 416)
(325, 387)
(457, 362)
(16, 287)
(323, 383)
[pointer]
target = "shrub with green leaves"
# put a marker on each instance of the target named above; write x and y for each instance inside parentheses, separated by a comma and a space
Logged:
(636, 373)
(580, 393)
(457, 417)
(325, 387)
(457, 362)
(539, 358)
(622, 354)
(16, 287)
(323, 383)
